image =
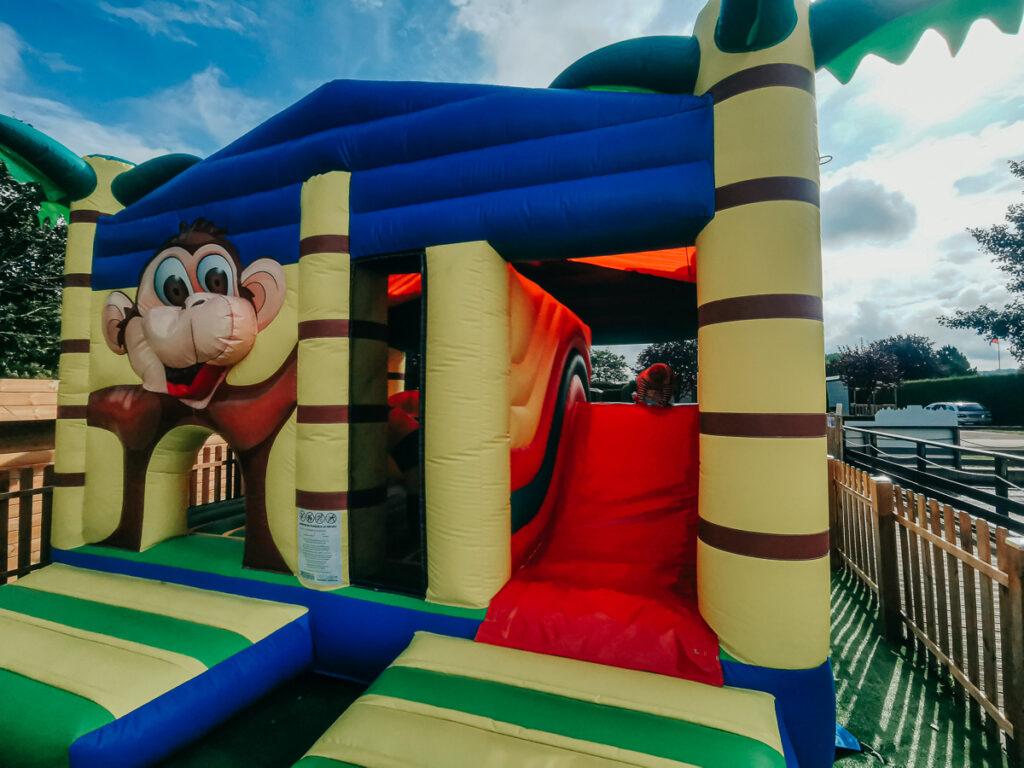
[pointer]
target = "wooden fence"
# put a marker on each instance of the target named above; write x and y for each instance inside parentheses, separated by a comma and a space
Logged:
(216, 474)
(951, 584)
(26, 499)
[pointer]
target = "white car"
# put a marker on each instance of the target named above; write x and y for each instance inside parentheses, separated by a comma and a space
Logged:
(967, 413)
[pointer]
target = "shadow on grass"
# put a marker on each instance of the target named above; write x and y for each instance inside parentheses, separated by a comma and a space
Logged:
(896, 699)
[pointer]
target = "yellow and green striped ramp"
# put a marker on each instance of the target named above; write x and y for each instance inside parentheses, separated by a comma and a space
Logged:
(99, 669)
(455, 703)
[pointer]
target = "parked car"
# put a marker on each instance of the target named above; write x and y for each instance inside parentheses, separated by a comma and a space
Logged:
(967, 414)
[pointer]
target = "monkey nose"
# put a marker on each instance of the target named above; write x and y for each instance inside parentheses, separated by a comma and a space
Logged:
(197, 302)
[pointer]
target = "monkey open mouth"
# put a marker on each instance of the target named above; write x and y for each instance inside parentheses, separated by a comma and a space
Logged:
(194, 382)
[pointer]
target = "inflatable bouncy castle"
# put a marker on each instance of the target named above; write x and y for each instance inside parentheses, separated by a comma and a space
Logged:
(523, 576)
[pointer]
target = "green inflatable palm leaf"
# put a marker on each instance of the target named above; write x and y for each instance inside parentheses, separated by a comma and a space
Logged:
(892, 29)
(55, 205)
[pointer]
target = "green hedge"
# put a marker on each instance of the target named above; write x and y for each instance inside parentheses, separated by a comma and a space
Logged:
(1003, 395)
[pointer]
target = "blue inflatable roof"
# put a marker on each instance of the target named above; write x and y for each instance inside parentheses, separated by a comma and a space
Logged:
(539, 174)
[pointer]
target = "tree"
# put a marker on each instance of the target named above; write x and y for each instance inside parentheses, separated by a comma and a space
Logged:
(1005, 244)
(680, 356)
(608, 367)
(914, 355)
(31, 276)
(953, 362)
(870, 368)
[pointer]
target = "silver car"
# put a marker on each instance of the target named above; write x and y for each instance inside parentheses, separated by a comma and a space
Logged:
(967, 413)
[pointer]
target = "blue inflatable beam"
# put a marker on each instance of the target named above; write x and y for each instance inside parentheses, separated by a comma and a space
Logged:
(538, 173)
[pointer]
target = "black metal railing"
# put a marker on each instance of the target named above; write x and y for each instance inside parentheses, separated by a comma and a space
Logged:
(981, 481)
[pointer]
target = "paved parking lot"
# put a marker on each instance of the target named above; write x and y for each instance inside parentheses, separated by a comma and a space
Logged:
(993, 440)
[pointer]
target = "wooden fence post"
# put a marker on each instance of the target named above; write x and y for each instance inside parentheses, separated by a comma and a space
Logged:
(883, 516)
(833, 517)
(1011, 604)
(46, 525)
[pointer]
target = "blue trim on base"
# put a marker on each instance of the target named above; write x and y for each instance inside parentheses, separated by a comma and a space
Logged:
(806, 702)
(787, 744)
(185, 713)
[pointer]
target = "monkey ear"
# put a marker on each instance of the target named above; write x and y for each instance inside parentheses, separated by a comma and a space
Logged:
(115, 309)
(264, 279)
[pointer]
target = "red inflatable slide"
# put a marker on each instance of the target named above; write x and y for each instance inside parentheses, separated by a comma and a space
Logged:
(613, 579)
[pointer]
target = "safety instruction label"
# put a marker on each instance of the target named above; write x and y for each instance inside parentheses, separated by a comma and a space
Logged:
(320, 547)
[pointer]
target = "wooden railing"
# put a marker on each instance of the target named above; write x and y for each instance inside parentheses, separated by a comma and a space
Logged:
(26, 498)
(216, 475)
(945, 581)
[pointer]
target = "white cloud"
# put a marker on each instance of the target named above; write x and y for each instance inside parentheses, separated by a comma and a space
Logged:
(196, 116)
(529, 42)
(934, 88)
(11, 47)
(78, 133)
(201, 105)
(159, 17)
(55, 62)
(862, 210)
(938, 131)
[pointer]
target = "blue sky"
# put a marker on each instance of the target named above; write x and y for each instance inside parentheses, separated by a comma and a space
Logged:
(919, 150)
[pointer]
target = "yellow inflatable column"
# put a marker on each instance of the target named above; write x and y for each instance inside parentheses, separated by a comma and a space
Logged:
(322, 428)
(73, 388)
(763, 550)
(396, 371)
(466, 424)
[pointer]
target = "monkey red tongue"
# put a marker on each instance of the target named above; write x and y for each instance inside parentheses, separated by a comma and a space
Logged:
(194, 382)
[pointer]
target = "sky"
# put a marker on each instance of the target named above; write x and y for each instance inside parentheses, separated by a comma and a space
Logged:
(919, 150)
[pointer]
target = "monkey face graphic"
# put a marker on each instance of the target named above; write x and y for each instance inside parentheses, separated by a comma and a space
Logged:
(196, 313)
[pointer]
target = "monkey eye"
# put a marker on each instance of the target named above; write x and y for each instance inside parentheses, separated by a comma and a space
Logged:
(171, 282)
(216, 275)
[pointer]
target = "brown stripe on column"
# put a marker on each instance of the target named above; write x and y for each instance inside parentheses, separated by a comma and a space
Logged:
(77, 280)
(323, 329)
(763, 424)
(322, 414)
(766, 190)
(764, 306)
(395, 376)
(340, 329)
(86, 217)
(342, 414)
(68, 479)
(763, 76)
(72, 411)
(321, 501)
(323, 244)
(768, 546)
(328, 501)
(74, 345)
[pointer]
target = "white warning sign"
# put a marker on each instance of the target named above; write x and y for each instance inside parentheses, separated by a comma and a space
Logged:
(320, 547)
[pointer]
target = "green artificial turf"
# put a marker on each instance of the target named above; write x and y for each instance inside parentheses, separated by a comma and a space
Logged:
(895, 700)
